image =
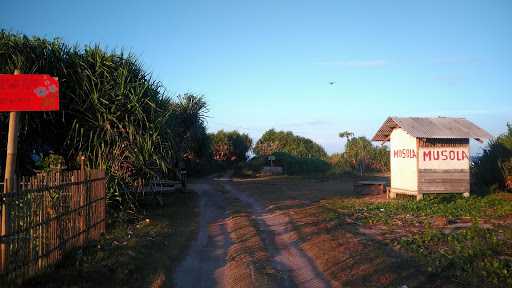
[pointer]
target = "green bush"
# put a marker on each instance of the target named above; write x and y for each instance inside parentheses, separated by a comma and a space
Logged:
(472, 257)
(494, 167)
(230, 147)
(280, 141)
(291, 165)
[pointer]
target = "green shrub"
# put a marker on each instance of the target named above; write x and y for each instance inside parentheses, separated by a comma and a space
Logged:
(473, 257)
(300, 166)
(280, 141)
(494, 167)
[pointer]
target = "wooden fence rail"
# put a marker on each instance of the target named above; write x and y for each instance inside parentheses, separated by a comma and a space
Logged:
(45, 216)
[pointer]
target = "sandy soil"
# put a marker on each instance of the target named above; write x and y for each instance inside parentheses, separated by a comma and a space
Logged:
(274, 233)
(215, 260)
(295, 266)
(205, 261)
(338, 252)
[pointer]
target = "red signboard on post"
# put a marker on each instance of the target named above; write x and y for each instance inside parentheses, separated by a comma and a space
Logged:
(28, 92)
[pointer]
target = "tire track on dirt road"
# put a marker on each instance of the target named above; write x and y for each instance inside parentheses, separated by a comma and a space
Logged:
(205, 262)
(296, 268)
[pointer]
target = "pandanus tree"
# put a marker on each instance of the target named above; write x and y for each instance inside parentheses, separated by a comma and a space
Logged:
(112, 111)
(346, 134)
(187, 125)
(494, 166)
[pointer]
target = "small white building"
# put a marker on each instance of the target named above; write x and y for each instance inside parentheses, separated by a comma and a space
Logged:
(429, 155)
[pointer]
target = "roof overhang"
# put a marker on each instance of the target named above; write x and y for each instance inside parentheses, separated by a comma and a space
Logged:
(432, 128)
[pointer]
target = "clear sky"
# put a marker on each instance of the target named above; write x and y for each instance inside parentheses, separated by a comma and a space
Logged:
(264, 64)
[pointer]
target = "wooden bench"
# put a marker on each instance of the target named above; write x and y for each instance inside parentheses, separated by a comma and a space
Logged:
(370, 183)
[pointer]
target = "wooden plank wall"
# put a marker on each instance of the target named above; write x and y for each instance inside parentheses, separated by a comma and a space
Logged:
(443, 181)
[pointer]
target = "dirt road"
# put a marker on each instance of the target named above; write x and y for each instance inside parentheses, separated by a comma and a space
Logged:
(205, 261)
(295, 266)
(205, 265)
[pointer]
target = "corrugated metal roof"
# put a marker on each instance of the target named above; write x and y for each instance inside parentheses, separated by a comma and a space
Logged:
(439, 127)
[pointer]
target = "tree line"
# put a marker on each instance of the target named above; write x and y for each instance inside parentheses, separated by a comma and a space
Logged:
(299, 155)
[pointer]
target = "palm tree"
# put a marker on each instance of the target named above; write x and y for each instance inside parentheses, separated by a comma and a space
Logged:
(346, 134)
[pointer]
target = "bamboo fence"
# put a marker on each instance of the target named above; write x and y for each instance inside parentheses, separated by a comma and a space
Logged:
(47, 215)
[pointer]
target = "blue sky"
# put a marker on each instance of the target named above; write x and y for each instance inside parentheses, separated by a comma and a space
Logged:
(264, 64)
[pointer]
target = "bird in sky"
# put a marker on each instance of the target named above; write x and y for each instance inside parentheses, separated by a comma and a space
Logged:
(331, 83)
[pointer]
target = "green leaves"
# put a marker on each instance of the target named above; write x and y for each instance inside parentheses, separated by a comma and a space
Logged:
(112, 111)
(494, 167)
(230, 146)
(280, 141)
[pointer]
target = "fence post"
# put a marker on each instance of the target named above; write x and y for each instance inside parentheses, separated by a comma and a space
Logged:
(3, 232)
(10, 165)
(81, 196)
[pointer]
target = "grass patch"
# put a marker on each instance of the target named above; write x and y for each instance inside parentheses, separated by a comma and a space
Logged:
(475, 257)
(139, 254)
(450, 206)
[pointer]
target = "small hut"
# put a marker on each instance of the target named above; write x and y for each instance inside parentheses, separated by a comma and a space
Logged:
(429, 155)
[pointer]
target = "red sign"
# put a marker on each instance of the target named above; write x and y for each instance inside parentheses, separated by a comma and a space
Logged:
(404, 153)
(458, 155)
(28, 92)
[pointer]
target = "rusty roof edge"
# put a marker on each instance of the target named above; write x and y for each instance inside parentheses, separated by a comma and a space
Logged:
(447, 128)
(381, 135)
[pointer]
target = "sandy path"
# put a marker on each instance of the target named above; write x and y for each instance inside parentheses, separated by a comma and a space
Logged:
(295, 266)
(204, 264)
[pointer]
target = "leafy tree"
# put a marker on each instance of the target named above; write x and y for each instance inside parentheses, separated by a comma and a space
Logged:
(494, 167)
(361, 155)
(346, 134)
(380, 158)
(280, 141)
(340, 163)
(359, 151)
(230, 146)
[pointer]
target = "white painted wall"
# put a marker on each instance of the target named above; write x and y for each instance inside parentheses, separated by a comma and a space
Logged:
(444, 157)
(404, 173)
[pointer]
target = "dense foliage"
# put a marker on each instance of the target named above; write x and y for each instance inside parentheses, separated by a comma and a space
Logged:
(360, 155)
(112, 111)
(297, 155)
(494, 167)
(191, 143)
(300, 166)
(230, 146)
(279, 141)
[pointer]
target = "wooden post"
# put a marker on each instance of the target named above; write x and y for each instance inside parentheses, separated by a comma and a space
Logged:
(82, 163)
(9, 181)
(81, 196)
